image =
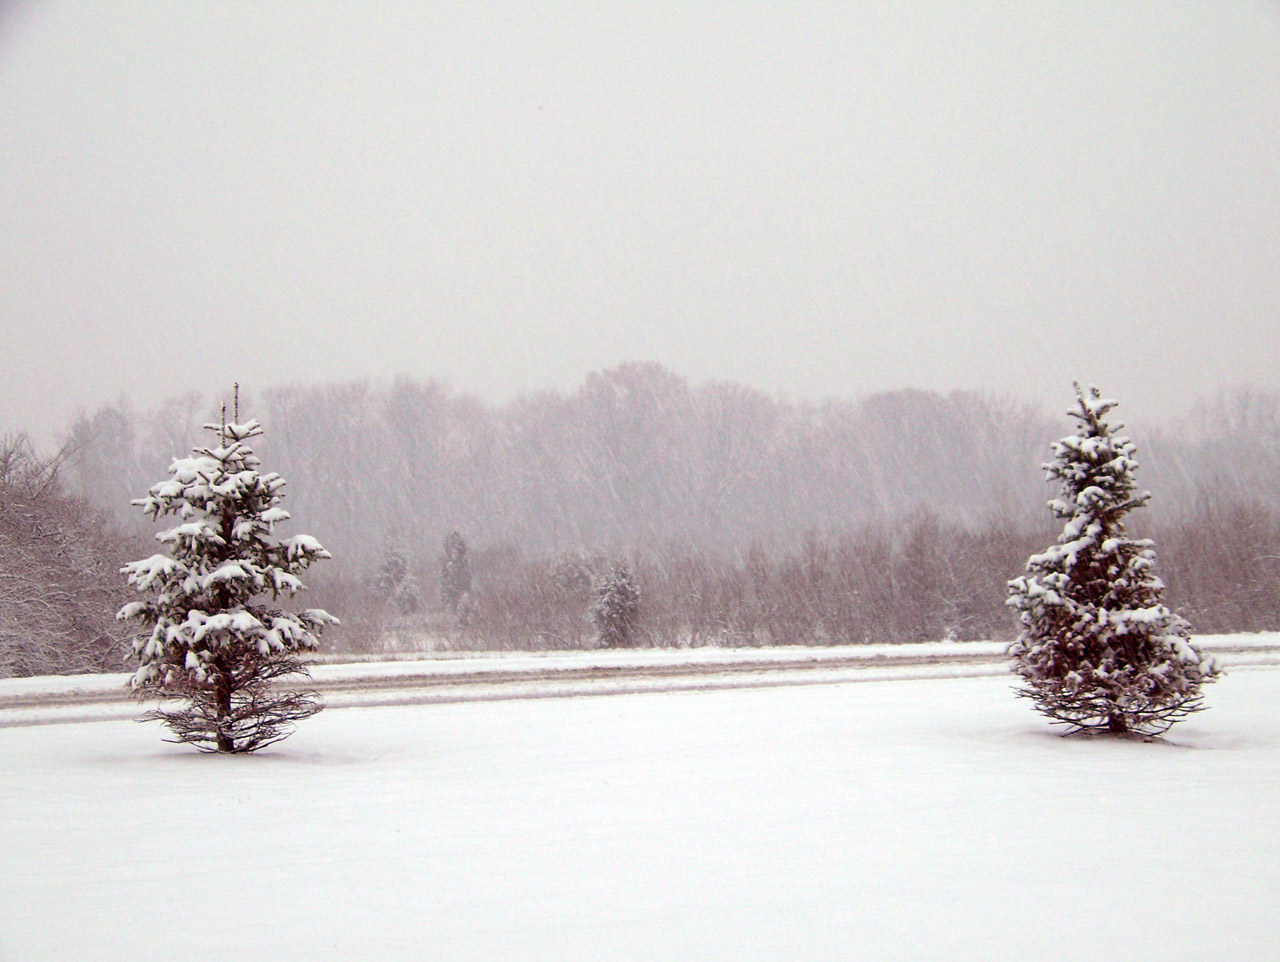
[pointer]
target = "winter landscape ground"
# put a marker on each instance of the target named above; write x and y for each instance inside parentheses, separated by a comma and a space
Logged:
(899, 812)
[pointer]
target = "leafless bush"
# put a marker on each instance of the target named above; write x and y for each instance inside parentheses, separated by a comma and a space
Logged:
(59, 572)
(1222, 565)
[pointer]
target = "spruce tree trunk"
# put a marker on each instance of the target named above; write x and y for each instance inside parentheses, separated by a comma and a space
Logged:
(222, 701)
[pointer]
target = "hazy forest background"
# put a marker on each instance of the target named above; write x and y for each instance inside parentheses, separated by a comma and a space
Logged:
(744, 519)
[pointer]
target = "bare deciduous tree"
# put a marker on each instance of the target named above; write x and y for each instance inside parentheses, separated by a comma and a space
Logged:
(57, 562)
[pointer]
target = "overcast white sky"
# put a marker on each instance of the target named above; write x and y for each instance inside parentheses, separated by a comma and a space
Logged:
(812, 198)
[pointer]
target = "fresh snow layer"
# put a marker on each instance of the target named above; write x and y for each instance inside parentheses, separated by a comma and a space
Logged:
(935, 819)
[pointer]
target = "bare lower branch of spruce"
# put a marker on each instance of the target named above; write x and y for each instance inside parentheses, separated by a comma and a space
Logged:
(256, 719)
(258, 712)
(1097, 716)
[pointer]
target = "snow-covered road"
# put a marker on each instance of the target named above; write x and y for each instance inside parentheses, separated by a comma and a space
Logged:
(507, 675)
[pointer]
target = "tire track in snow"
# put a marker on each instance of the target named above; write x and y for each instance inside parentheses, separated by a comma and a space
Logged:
(436, 686)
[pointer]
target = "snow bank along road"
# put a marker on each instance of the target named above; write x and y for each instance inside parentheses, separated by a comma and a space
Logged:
(505, 676)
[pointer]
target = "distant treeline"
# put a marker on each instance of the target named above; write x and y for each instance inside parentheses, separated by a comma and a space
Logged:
(638, 457)
(745, 519)
(919, 580)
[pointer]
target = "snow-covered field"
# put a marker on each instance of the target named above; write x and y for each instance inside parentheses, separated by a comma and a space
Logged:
(934, 818)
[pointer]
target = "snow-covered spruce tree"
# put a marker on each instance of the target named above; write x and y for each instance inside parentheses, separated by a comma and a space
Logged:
(571, 598)
(1098, 650)
(616, 610)
(212, 635)
(455, 572)
(396, 584)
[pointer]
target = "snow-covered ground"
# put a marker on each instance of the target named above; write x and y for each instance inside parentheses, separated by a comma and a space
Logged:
(932, 818)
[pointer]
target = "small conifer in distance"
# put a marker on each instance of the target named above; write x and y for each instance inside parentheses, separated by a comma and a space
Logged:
(616, 610)
(455, 573)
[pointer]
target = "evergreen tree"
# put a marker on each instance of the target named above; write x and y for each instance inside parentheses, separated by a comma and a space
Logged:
(396, 583)
(1098, 649)
(616, 611)
(392, 572)
(211, 635)
(455, 572)
(572, 589)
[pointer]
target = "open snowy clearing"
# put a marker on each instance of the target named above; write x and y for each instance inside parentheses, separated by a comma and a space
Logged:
(908, 819)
